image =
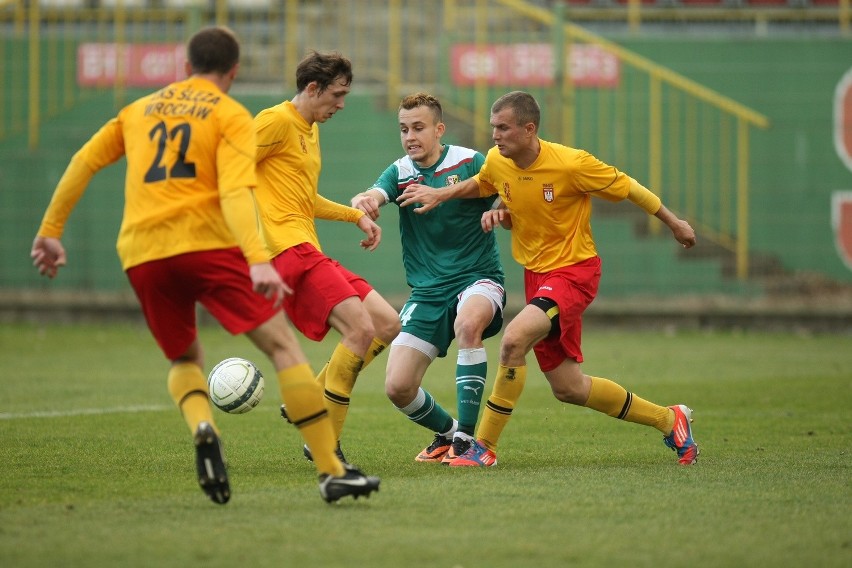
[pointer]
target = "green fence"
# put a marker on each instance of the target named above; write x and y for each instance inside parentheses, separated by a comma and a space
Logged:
(792, 170)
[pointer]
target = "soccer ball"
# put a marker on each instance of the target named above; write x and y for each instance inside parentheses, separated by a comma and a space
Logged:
(235, 385)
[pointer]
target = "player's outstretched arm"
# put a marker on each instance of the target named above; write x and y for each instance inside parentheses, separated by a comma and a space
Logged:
(426, 198)
(369, 202)
(48, 255)
(373, 232)
(682, 231)
(650, 202)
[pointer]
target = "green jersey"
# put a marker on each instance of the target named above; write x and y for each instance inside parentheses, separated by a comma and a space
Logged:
(445, 248)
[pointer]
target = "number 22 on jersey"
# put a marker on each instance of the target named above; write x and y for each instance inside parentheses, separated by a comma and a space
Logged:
(181, 168)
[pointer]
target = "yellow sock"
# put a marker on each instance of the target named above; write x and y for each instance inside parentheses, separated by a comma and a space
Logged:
(376, 347)
(614, 400)
(321, 377)
(343, 369)
(188, 388)
(305, 409)
(508, 387)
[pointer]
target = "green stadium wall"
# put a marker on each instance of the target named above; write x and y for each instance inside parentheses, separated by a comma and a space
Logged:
(795, 167)
(794, 172)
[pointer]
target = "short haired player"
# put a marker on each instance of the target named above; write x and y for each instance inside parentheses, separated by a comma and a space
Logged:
(189, 235)
(455, 275)
(326, 294)
(547, 190)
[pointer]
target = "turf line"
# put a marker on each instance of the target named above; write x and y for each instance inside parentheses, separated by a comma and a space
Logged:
(84, 412)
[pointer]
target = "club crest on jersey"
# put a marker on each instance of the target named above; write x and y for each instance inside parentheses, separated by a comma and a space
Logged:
(452, 179)
(506, 191)
(547, 189)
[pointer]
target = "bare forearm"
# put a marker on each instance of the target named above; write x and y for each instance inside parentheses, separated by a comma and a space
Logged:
(425, 198)
(681, 230)
(369, 202)
(467, 189)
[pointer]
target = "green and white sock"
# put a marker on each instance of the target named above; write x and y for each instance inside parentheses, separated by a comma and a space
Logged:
(471, 369)
(425, 411)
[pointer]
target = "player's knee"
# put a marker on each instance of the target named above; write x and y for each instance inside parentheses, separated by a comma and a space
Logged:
(367, 330)
(468, 332)
(383, 326)
(569, 394)
(400, 394)
(568, 383)
(360, 332)
(388, 328)
(513, 347)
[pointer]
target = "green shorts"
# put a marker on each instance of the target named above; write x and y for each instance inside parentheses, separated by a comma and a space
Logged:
(430, 316)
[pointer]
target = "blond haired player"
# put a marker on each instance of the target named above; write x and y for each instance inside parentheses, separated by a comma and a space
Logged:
(547, 190)
(455, 275)
(189, 234)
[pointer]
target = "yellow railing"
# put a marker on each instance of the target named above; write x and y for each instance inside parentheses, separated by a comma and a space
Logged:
(684, 140)
(635, 14)
(687, 142)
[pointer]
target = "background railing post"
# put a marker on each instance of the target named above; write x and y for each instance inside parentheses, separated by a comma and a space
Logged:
(481, 107)
(34, 117)
(394, 53)
(655, 136)
(742, 200)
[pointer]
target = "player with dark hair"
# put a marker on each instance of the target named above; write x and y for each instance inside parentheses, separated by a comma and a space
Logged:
(189, 235)
(326, 295)
(455, 275)
(547, 190)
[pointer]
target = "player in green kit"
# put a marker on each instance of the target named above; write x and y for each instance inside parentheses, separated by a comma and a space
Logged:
(455, 275)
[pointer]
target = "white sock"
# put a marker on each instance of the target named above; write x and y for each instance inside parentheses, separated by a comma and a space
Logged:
(463, 436)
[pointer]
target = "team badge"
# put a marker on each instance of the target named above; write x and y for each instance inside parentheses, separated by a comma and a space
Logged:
(841, 221)
(547, 189)
(506, 191)
(452, 179)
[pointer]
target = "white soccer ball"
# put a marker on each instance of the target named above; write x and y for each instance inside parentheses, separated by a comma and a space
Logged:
(235, 385)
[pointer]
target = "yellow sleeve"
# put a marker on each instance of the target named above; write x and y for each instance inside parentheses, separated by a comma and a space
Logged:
(643, 197)
(68, 192)
(240, 214)
(590, 175)
(102, 149)
(331, 211)
(483, 177)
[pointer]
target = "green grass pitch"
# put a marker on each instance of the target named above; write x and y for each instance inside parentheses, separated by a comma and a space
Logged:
(97, 467)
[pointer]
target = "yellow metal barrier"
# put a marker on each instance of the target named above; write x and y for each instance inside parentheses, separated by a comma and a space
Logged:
(685, 141)
(688, 153)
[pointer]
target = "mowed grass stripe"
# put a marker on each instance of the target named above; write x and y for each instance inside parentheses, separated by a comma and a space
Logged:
(572, 487)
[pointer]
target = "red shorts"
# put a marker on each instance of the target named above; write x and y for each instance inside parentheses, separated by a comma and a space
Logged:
(169, 288)
(572, 288)
(319, 283)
